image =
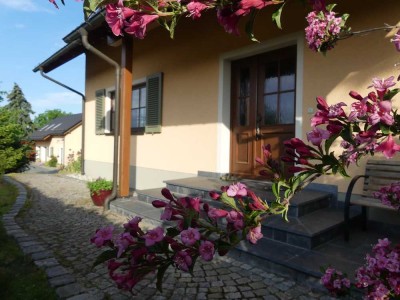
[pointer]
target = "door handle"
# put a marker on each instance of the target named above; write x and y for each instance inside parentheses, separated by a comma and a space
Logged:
(258, 130)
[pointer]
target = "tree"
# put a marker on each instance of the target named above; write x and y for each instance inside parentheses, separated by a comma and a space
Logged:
(44, 118)
(20, 110)
(13, 151)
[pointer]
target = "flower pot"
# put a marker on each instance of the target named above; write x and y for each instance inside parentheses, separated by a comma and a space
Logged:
(99, 197)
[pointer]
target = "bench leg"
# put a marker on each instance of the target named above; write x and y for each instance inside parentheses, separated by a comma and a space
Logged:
(346, 222)
(364, 218)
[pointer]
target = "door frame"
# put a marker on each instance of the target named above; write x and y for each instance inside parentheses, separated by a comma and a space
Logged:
(224, 90)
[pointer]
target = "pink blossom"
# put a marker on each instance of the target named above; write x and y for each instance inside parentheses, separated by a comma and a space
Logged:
(214, 195)
(215, 213)
(115, 16)
(159, 203)
(183, 260)
(257, 203)
(317, 135)
(195, 8)
(228, 19)
(190, 202)
(381, 85)
(102, 236)
(254, 234)
(123, 242)
(245, 6)
(323, 30)
(137, 24)
(237, 189)
(388, 147)
(396, 40)
(167, 213)
(133, 224)
(207, 250)
(154, 236)
(190, 236)
(236, 218)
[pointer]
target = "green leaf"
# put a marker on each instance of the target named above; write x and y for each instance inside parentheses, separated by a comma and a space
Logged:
(329, 142)
(389, 95)
(250, 25)
(229, 201)
(276, 16)
(172, 231)
(105, 256)
(160, 275)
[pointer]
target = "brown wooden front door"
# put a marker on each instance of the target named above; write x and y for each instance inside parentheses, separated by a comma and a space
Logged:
(262, 107)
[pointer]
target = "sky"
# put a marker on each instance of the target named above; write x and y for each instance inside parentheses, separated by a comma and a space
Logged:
(30, 32)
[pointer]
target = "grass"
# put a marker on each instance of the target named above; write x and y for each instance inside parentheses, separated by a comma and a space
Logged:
(19, 277)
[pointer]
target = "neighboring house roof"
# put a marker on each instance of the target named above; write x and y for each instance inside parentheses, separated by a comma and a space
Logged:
(56, 127)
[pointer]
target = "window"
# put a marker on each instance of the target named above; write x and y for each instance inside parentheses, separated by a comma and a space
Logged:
(138, 111)
(145, 110)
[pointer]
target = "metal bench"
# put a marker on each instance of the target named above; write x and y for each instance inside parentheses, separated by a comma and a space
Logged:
(378, 173)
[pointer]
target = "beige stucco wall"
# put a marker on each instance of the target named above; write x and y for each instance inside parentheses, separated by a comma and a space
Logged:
(192, 103)
(73, 143)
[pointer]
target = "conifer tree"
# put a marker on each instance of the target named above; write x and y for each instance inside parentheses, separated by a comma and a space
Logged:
(20, 109)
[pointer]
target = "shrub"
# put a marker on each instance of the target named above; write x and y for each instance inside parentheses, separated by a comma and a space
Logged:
(52, 162)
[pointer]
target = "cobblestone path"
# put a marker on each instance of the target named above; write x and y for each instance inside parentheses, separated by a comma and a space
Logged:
(61, 216)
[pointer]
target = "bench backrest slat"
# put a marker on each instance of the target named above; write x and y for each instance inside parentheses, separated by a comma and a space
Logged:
(380, 173)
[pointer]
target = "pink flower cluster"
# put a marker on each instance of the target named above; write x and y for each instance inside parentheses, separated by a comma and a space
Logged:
(390, 195)
(380, 275)
(134, 22)
(366, 129)
(335, 282)
(323, 29)
(200, 231)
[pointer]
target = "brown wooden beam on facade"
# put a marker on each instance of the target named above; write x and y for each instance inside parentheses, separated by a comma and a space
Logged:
(125, 115)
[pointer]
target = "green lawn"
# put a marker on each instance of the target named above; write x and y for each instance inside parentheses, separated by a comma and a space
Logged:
(19, 277)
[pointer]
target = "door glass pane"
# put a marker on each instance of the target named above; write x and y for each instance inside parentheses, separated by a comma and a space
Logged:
(286, 108)
(270, 109)
(244, 85)
(135, 118)
(287, 79)
(271, 78)
(244, 111)
(135, 98)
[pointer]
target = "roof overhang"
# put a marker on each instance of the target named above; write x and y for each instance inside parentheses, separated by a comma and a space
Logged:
(74, 46)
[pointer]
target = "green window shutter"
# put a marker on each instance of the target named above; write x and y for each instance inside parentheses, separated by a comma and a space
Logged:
(154, 85)
(100, 111)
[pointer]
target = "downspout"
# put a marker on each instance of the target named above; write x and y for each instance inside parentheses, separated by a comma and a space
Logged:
(95, 51)
(83, 116)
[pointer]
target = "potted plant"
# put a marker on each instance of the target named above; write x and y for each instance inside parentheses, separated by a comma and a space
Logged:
(100, 189)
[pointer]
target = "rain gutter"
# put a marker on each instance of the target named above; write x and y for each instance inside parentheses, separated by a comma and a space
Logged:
(89, 47)
(83, 115)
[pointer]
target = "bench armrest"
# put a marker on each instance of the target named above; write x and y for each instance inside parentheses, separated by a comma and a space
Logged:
(350, 188)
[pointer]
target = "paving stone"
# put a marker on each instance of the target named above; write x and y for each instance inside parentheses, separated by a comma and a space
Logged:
(46, 263)
(61, 280)
(56, 271)
(83, 297)
(69, 290)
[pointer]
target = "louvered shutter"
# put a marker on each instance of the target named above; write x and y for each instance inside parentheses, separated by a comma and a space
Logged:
(100, 111)
(154, 103)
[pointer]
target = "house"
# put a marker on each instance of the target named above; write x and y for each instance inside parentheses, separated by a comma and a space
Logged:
(60, 138)
(206, 101)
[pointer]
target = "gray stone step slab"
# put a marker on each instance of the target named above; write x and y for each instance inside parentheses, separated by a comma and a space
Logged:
(305, 202)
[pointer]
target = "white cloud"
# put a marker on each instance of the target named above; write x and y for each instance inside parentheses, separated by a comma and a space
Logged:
(65, 101)
(19, 26)
(24, 5)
